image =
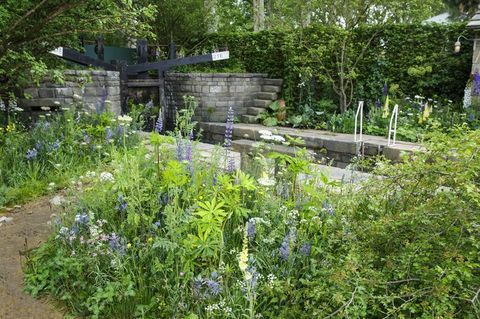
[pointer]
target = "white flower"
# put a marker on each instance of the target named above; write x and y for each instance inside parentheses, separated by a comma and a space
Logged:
(57, 200)
(45, 108)
(266, 181)
(124, 119)
(106, 177)
(18, 109)
(52, 184)
(77, 97)
(90, 174)
(265, 132)
(278, 138)
(108, 102)
(148, 156)
(58, 165)
(56, 103)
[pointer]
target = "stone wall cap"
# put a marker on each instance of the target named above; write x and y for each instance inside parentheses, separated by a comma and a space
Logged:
(217, 75)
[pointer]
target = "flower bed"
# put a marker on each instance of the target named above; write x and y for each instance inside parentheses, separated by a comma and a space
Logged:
(168, 235)
(55, 151)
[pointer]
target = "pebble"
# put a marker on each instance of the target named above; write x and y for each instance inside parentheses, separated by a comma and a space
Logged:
(5, 219)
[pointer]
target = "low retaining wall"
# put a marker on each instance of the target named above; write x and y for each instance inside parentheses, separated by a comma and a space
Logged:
(214, 92)
(340, 149)
(93, 88)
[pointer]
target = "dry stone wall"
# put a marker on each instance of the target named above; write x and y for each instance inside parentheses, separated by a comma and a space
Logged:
(95, 89)
(215, 92)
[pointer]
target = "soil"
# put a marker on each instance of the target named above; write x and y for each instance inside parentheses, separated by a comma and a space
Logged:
(29, 223)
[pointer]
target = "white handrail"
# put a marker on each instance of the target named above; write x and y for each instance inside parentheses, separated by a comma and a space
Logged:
(393, 131)
(359, 113)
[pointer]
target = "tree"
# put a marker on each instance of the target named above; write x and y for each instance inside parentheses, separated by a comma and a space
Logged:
(31, 28)
(462, 8)
(182, 21)
(349, 15)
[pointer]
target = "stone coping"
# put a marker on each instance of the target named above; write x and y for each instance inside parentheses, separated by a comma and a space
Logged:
(317, 140)
(218, 75)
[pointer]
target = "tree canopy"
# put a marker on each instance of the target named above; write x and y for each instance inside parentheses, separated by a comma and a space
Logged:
(31, 28)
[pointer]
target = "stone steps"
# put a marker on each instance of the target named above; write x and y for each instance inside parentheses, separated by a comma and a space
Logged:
(267, 96)
(269, 93)
(255, 110)
(271, 88)
(275, 82)
(249, 119)
(261, 103)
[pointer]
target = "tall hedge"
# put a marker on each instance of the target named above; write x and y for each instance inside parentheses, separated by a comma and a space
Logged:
(417, 58)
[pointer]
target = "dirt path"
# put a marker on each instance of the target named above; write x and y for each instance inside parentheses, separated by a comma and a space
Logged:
(29, 221)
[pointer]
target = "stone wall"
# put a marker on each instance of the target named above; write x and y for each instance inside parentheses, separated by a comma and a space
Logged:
(91, 88)
(214, 92)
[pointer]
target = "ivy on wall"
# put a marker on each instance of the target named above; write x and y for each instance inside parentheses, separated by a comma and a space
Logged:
(415, 59)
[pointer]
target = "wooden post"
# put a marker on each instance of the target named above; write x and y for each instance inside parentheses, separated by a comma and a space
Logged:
(100, 49)
(122, 68)
(142, 56)
(172, 51)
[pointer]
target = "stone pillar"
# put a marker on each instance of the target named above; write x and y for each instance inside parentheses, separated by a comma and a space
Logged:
(474, 25)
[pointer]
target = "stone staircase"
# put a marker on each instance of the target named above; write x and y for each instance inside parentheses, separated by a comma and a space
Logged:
(270, 93)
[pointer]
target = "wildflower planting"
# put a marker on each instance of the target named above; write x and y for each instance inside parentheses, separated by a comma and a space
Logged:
(166, 235)
(56, 150)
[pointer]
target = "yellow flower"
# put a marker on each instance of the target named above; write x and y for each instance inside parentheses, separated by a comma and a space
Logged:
(426, 111)
(149, 239)
(10, 127)
(129, 245)
(243, 256)
(386, 109)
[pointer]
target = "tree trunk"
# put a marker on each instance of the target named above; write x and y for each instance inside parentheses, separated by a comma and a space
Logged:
(258, 15)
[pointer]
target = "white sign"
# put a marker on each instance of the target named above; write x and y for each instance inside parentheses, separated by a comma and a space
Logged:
(58, 51)
(224, 55)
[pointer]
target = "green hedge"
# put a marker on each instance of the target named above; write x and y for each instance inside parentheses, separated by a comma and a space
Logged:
(417, 58)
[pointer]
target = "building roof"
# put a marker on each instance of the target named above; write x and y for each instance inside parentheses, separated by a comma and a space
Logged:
(443, 18)
(474, 22)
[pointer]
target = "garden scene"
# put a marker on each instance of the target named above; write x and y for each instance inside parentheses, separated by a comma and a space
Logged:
(239, 159)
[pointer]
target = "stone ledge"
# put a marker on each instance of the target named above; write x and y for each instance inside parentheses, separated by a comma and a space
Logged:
(341, 147)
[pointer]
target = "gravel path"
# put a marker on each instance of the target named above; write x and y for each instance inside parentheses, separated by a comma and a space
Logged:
(27, 222)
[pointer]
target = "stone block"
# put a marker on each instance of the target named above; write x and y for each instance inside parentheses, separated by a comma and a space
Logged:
(46, 93)
(93, 91)
(64, 92)
(216, 89)
(271, 88)
(31, 92)
(339, 146)
(239, 88)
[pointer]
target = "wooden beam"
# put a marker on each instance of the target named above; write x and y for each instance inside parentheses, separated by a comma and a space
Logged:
(165, 65)
(77, 57)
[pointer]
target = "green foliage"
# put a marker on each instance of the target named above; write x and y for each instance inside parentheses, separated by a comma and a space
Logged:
(222, 245)
(32, 28)
(48, 155)
(417, 58)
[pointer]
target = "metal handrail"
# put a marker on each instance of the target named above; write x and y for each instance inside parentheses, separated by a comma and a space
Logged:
(394, 121)
(359, 113)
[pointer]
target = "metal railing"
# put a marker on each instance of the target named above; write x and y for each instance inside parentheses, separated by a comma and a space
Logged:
(359, 114)
(393, 120)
